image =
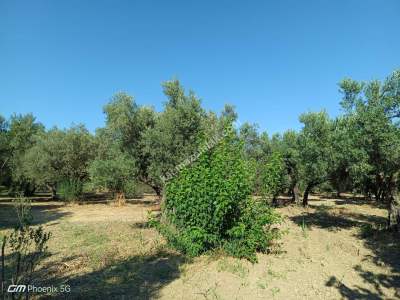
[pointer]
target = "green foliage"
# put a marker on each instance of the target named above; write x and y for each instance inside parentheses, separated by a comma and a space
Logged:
(252, 142)
(114, 170)
(274, 176)
(26, 245)
(359, 150)
(70, 190)
(21, 137)
(208, 205)
(304, 228)
(253, 232)
(59, 156)
(257, 150)
(175, 135)
(290, 154)
(315, 148)
(372, 112)
(126, 123)
(22, 207)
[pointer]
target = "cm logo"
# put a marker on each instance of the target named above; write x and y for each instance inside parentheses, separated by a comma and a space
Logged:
(13, 288)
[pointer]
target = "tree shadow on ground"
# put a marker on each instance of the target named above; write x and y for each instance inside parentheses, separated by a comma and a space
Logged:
(384, 245)
(140, 225)
(285, 200)
(139, 277)
(41, 213)
(323, 217)
(106, 198)
(353, 294)
(13, 269)
(377, 280)
(360, 201)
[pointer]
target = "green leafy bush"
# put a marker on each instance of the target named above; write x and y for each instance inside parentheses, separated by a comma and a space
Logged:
(274, 176)
(70, 190)
(254, 231)
(208, 205)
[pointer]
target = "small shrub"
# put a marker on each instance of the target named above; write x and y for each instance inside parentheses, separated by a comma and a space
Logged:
(26, 246)
(304, 228)
(253, 232)
(22, 207)
(236, 268)
(70, 190)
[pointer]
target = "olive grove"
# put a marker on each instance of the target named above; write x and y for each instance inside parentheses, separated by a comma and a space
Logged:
(208, 198)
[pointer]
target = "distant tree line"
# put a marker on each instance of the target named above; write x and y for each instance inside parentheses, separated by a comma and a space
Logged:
(358, 151)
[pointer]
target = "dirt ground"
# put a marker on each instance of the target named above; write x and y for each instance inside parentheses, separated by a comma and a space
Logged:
(335, 249)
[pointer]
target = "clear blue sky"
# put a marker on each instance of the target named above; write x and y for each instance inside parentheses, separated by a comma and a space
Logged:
(63, 60)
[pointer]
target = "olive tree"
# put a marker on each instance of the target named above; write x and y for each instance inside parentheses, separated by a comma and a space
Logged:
(177, 133)
(126, 125)
(314, 150)
(120, 159)
(343, 155)
(257, 151)
(287, 146)
(373, 109)
(114, 171)
(22, 136)
(248, 133)
(59, 155)
(274, 177)
(156, 142)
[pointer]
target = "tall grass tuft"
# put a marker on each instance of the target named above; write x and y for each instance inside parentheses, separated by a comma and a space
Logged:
(70, 190)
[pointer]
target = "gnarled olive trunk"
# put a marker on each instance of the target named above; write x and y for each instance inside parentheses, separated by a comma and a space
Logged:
(274, 201)
(394, 206)
(305, 196)
(295, 193)
(379, 195)
(158, 191)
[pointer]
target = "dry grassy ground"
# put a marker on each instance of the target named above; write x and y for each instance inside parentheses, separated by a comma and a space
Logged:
(332, 250)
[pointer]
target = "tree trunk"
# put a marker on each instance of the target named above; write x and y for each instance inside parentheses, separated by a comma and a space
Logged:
(305, 196)
(120, 199)
(394, 215)
(53, 191)
(377, 195)
(295, 193)
(28, 189)
(381, 194)
(158, 191)
(394, 206)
